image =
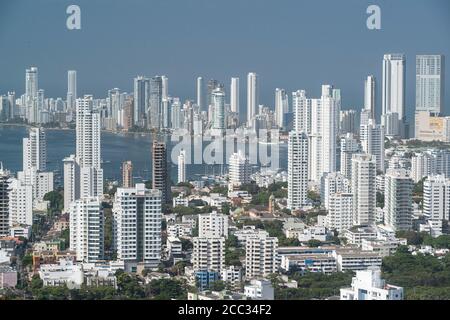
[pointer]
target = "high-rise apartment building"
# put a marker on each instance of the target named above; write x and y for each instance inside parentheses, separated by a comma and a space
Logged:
(160, 172)
(137, 217)
(398, 199)
(430, 83)
(364, 189)
(239, 169)
(252, 96)
(127, 174)
(261, 254)
(297, 170)
(87, 229)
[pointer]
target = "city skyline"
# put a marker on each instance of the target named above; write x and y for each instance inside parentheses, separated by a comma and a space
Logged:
(290, 70)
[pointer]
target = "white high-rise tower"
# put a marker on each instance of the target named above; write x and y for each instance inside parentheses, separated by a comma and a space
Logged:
(182, 166)
(297, 170)
(393, 97)
(430, 83)
(369, 96)
(252, 96)
(234, 95)
(71, 89)
(35, 150)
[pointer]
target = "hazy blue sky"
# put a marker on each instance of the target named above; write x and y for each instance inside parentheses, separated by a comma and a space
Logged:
(292, 44)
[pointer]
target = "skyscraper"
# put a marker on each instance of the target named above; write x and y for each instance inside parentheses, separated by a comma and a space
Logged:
(31, 94)
(364, 189)
(87, 229)
(160, 172)
(349, 147)
(137, 217)
(239, 169)
(372, 142)
(141, 100)
(88, 148)
(430, 83)
(323, 134)
(301, 107)
(127, 174)
(398, 199)
(393, 96)
(252, 96)
(35, 150)
(281, 106)
(4, 201)
(370, 96)
(218, 104)
(182, 166)
(200, 93)
(156, 93)
(71, 89)
(297, 170)
(234, 95)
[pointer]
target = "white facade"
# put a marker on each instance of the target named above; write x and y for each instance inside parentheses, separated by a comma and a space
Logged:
(35, 150)
(239, 169)
(137, 225)
(261, 256)
(398, 199)
(65, 273)
(332, 183)
(370, 96)
(212, 225)
(349, 147)
(234, 95)
(430, 83)
(87, 229)
(252, 96)
(436, 202)
(208, 254)
(71, 181)
(340, 212)
(297, 170)
(301, 108)
(363, 189)
(281, 106)
(20, 203)
(368, 285)
(372, 142)
(182, 166)
(259, 290)
(393, 91)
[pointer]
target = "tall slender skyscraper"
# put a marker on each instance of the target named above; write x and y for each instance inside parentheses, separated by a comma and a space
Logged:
(35, 150)
(301, 107)
(88, 148)
(127, 174)
(219, 109)
(393, 97)
(71, 89)
(430, 83)
(252, 96)
(281, 106)
(182, 166)
(141, 100)
(160, 172)
(372, 142)
(200, 93)
(234, 95)
(87, 229)
(369, 96)
(297, 170)
(364, 168)
(31, 94)
(156, 93)
(4, 201)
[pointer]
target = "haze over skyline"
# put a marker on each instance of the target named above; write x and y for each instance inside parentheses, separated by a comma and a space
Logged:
(288, 43)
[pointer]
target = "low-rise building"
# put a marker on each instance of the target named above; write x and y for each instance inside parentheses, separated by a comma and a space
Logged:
(64, 273)
(355, 259)
(368, 285)
(259, 290)
(8, 277)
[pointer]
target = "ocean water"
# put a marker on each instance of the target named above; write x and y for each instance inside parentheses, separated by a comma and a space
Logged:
(116, 148)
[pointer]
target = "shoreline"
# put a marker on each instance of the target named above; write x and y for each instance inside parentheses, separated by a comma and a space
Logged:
(4, 124)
